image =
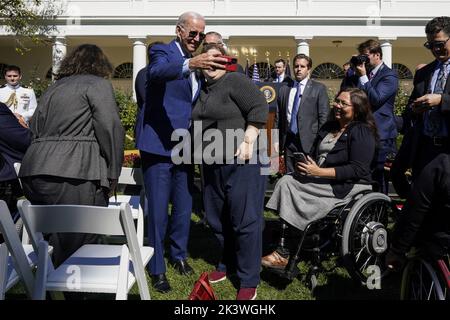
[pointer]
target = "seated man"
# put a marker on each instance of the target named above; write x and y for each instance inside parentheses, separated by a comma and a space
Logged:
(15, 138)
(426, 215)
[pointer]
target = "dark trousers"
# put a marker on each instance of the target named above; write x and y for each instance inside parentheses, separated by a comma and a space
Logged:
(427, 151)
(234, 203)
(45, 190)
(387, 148)
(292, 145)
(166, 182)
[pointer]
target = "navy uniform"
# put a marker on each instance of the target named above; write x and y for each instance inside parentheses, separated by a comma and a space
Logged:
(19, 99)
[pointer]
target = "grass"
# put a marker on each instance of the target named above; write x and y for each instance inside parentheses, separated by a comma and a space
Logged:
(204, 254)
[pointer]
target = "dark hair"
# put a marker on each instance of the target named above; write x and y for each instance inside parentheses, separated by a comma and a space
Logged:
(437, 25)
(361, 109)
(303, 56)
(373, 46)
(214, 46)
(85, 59)
(280, 60)
(12, 68)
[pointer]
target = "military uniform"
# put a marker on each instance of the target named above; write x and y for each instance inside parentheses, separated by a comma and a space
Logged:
(19, 99)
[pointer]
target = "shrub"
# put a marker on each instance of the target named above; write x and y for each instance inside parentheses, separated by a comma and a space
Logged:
(128, 112)
(38, 84)
(132, 160)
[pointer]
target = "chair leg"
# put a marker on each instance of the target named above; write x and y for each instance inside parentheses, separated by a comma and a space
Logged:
(3, 269)
(282, 247)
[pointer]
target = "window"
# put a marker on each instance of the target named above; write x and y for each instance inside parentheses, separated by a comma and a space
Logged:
(327, 70)
(124, 71)
(402, 71)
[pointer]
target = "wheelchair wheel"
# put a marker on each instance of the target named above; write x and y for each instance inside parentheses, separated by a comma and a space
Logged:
(421, 282)
(364, 237)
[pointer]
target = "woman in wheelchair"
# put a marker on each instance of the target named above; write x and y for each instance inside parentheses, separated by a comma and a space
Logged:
(338, 167)
(425, 219)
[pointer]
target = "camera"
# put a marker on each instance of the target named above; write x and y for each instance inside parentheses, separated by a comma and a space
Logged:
(231, 64)
(360, 59)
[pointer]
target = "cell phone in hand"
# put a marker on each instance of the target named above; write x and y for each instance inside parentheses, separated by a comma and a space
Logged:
(299, 157)
(231, 64)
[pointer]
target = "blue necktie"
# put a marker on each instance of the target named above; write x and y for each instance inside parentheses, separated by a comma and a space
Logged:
(293, 127)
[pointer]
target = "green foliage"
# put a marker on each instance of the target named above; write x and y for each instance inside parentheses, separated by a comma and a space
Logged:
(128, 112)
(401, 100)
(38, 84)
(33, 19)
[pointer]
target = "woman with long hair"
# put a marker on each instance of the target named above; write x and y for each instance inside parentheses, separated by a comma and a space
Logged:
(339, 167)
(77, 149)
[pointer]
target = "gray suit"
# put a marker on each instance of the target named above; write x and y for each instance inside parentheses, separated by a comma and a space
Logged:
(312, 114)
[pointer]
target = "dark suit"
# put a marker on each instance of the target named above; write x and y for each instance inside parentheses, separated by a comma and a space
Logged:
(418, 150)
(168, 105)
(312, 114)
(382, 90)
(14, 141)
(287, 79)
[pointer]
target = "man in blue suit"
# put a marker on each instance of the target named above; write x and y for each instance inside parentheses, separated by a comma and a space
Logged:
(380, 84)
(172, 86)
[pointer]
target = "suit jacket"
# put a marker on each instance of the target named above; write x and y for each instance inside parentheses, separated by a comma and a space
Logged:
(168, 101)
(313, 113)
(381, 91)
(77, 132)
(14, 141)
(287, 79)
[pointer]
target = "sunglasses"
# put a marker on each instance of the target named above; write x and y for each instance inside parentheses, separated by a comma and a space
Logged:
(193, 34)
(435, 44)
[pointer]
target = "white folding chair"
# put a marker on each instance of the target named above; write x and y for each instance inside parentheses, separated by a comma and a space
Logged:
(93, 267)
(132, 176)
(16, 259)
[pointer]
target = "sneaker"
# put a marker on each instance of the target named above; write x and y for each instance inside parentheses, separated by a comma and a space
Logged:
(246, 294)
(217, 276)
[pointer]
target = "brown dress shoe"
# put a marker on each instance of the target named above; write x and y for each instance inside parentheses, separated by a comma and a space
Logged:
(274, 260)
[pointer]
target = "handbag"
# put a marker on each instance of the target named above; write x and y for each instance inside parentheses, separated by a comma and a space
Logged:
(202, 289)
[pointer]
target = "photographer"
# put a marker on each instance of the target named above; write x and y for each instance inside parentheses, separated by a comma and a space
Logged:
(380, 84)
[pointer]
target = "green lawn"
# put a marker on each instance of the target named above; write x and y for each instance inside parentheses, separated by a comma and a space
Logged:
(204, 254)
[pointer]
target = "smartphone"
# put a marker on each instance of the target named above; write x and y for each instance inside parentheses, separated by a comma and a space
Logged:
(299, 157)
(231, 64)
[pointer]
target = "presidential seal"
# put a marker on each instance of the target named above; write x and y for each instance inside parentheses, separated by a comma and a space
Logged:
(269, 93)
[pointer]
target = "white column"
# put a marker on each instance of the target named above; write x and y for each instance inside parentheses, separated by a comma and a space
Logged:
(303, 45)
(59, 51)
(386, 48)
(225, 40)
(139, 56)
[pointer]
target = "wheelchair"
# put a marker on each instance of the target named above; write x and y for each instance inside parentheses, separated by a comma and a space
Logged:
(426, 277)
(356, 231)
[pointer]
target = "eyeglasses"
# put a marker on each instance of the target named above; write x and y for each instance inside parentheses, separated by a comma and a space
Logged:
(193, 34)
(435, 44)
(342, 103)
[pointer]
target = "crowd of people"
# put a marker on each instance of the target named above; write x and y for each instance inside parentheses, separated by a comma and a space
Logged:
(70, 145)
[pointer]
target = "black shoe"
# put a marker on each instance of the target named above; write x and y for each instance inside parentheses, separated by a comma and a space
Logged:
(182, 267)
(160, 283)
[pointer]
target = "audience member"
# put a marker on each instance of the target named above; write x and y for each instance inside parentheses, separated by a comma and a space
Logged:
(15, 138)
(280, 71)
(77, 149)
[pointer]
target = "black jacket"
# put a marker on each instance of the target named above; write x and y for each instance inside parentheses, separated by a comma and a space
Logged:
(352, 156)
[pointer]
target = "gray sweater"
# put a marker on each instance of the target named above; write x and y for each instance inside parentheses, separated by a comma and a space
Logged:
(230, 102)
